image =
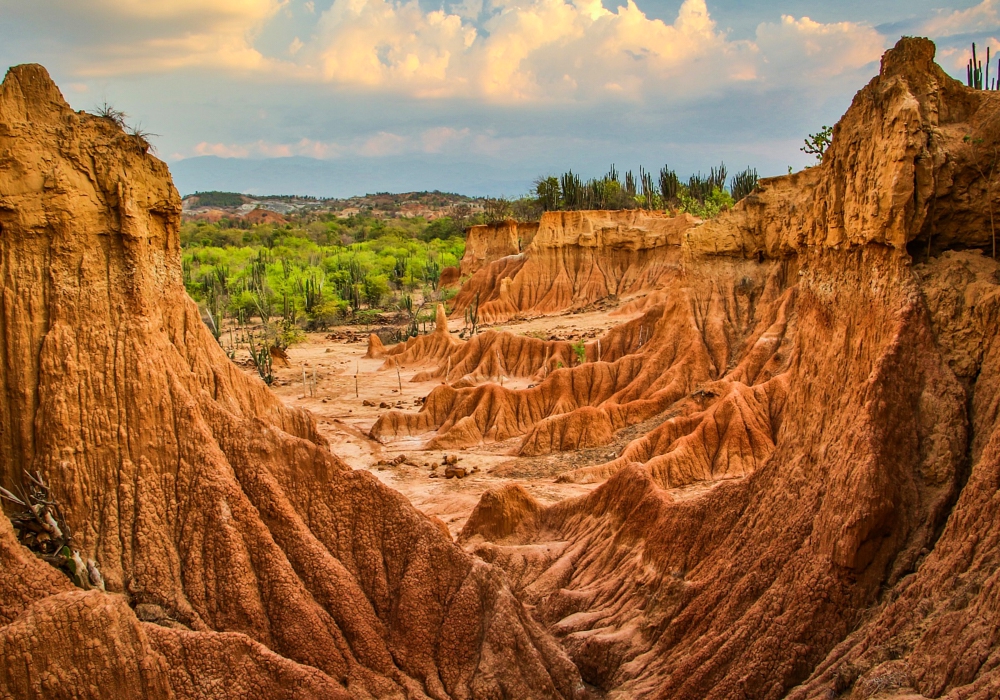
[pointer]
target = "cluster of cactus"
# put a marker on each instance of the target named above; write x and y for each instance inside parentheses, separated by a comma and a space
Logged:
(413, 329)
(399, 269)
(432, 272)
(701, 186)
(258, 269)
(670, 186)
(743, 184)
(613, 191)
(216, 289)
(260, 354)
(350, 289)
(975, 78)
(312, 291)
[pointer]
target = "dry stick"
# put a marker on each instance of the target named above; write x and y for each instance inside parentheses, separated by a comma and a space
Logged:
(305, 387)
(398, 378)
(357, 369)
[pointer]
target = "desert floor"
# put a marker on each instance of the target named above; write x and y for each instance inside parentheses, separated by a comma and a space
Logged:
(345, 382)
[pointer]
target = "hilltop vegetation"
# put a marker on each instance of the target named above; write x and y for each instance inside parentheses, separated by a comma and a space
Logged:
(703, 196)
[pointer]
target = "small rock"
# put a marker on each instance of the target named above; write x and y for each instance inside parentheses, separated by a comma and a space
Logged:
(148, 612)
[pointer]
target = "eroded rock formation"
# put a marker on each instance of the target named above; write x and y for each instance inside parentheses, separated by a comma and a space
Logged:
(816, 513)
(575, 258)
(274, 570)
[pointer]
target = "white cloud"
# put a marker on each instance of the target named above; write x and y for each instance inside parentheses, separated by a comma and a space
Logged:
(504, 51)
(265, 149)
(437, 139)
(441, 139)
(531, 50)
(802, 48)
(114, 37)
(978, 18)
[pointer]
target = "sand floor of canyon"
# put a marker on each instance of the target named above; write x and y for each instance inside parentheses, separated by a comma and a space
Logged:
(338, 401)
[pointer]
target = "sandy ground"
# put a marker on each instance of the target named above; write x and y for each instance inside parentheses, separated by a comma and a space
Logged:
(344, 380)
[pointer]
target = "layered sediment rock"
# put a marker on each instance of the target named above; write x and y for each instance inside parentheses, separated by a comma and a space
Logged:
(281, 572)
(576, 258)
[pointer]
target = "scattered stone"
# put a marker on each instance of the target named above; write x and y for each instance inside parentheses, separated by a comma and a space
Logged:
(148, 612)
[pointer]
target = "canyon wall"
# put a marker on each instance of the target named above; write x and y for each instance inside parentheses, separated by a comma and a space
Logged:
(261, 566)
(812, 512)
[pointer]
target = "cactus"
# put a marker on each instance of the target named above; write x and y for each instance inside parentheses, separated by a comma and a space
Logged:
(472, 314)
(630, 188)
(743, 184)
(670, 187)
(974, 75)
(312, 289)
(649, 193)
(261, 356)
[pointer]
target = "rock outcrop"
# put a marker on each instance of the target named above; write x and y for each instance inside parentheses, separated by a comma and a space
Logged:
(575, 259)
(487, 243)
(273, 569)
(815, 515)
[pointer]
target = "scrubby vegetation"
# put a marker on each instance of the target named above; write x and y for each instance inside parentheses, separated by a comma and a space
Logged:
(310, 275)
(702, 195)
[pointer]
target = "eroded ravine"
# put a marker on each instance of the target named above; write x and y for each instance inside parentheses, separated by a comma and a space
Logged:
(771, 471)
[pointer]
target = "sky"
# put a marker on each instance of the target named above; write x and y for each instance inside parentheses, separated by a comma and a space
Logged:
(480, 97)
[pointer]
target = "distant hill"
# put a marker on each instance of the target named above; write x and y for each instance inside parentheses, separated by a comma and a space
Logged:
(428, 205)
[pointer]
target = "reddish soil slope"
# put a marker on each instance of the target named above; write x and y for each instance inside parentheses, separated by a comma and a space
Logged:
(273, 570)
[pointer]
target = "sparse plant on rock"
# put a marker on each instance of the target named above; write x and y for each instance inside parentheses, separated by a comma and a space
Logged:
(41, 527)
(816, 144)
(497, 209)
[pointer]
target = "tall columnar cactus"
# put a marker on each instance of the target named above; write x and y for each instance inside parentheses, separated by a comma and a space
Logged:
(743, 184)
(472, 314)
(313, 292)
(670, 186)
